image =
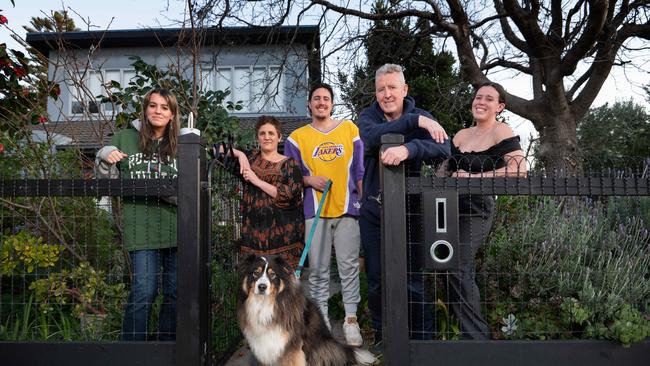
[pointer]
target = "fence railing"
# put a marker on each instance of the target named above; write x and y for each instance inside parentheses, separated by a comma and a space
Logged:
(405, 215)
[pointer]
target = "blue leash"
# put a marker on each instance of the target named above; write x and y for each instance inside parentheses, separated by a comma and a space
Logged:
(313, 228)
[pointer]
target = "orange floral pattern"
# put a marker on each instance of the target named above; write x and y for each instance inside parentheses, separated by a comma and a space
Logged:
(274, 226)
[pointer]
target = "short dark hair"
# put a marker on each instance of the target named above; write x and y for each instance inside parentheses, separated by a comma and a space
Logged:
(322, 86)
(263, 120)
(500, 90)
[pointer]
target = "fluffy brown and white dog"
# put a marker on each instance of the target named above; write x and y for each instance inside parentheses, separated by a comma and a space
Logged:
(281, 325)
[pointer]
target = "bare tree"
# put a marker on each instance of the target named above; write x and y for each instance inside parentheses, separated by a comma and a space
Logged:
(566, 48)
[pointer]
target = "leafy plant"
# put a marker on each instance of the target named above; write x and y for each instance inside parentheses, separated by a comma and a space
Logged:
(24, 252)
(93, 300)
(23, 94)
(614, 137)
(224, 289)
(577, 268)
(510, 325)
(448, 326)
(22, 323)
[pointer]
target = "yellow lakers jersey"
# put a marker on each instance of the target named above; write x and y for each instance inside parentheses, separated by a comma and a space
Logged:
(336, 154)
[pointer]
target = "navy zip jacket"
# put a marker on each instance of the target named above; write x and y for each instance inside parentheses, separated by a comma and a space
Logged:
(372, 125)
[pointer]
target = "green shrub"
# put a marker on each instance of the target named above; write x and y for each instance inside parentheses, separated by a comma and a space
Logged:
(62, 305)
(94, 302)
(224, 292)
(568, 267)
(24, 252)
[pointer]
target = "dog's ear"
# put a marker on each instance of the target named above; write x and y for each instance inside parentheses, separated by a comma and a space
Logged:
(283, 264)
(250, 259)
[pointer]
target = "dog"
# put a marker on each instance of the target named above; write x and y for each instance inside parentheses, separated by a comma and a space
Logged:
(282, 326)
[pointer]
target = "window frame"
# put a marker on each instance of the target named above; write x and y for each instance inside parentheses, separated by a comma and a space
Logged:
(264, 103)
(85, 101)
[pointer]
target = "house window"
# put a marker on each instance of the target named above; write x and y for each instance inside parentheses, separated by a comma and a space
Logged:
(259, 88)
(84, 100)
(94, 83)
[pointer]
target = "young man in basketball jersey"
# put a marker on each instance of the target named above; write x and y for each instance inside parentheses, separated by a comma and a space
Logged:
(331, 149)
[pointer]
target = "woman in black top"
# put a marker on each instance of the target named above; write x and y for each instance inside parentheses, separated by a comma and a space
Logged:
(486, 150)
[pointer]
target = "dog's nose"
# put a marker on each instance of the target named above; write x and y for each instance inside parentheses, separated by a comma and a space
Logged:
(262, 287)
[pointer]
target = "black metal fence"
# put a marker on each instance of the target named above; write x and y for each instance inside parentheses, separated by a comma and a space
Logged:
(64, 274)
(561, 269)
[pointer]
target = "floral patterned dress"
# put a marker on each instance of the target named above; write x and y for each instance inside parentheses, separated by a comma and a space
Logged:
(274, 226)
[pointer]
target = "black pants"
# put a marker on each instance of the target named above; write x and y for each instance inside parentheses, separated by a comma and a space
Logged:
(464, 296)
(420, 317)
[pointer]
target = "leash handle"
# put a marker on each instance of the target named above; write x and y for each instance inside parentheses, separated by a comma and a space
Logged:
(328, 184)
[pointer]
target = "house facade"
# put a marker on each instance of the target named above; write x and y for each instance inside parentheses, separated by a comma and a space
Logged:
(266, 70)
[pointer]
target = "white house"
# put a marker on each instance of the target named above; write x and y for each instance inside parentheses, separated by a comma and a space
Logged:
(268, 69)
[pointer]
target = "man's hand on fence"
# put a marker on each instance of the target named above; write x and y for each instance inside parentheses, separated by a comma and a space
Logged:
(394, 155)
(434, 128)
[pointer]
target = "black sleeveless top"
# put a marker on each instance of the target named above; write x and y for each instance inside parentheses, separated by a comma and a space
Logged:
(478, 162)
(483, 161)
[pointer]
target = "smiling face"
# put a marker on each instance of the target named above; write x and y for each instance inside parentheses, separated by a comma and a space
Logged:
(268, 137)
(390, 91)
(158, 113)
(320, 104)
(486, 105)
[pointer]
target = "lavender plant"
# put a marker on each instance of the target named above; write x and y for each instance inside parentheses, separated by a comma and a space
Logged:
(569, 268)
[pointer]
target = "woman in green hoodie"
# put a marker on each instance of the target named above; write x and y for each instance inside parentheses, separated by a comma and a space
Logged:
(148, 151)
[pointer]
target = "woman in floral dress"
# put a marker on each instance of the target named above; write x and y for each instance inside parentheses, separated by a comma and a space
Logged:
(273, 221)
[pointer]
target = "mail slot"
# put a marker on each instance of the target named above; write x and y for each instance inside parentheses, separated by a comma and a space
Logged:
(440, 222)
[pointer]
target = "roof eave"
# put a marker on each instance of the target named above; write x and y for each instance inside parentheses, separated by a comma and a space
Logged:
(156, 37)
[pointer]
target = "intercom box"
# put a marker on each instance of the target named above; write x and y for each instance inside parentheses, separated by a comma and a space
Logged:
(440, 222)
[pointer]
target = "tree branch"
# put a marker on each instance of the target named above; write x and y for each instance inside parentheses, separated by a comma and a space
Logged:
(593, 30)
(461, 34)
(633, 30)
(506, 64)
(42, 219)
(501, 16)
(529, 28)
(373, 16)
(507, 30)
(568, 33)
(555, 29)
(579, 82)
(604, 61)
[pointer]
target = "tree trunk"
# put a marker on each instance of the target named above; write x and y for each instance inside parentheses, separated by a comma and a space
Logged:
(558, 147)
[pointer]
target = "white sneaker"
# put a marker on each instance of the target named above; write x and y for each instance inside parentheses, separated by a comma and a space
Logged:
(351, 331)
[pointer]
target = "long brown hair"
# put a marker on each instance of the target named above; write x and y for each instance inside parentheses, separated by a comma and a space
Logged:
(169, 143)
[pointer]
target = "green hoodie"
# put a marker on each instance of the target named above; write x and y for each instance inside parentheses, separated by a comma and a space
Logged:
(148, 222)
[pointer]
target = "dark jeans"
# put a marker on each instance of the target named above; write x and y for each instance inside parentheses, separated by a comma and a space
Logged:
(146, 266)
(420, 318)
